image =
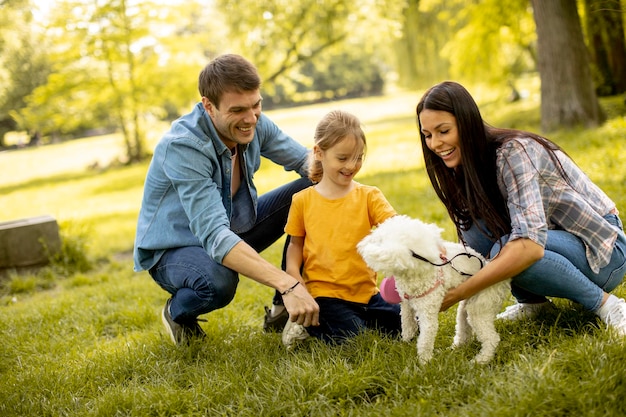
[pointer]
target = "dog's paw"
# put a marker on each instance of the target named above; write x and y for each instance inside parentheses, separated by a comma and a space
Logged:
(485, 355)
(424, 358)
(407, 336)
(481, 359)
(460, 340)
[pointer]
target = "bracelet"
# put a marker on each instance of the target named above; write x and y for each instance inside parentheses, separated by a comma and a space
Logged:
(290, 289)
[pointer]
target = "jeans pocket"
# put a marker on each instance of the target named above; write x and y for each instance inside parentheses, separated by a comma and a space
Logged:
(615, 278)
(617, 275)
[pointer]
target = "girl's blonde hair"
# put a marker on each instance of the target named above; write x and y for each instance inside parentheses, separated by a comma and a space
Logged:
(332, 129)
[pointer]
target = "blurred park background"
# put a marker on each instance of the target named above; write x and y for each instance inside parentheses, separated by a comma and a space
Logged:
(76, 68)
(90, 85)
(87, 87)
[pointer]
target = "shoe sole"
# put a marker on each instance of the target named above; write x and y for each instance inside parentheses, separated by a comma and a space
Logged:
(275, 324)
(168, 328)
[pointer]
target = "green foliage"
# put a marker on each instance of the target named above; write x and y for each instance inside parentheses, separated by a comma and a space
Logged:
(73, 256)
(335, 76)
(92, 344)
(121, 65)
(424, 31)
(23, 62)
(26, 283)
(308, 50)
(115, 67)
(493, 41)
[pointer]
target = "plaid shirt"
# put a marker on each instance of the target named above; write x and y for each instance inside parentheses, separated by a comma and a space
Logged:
(539, 199)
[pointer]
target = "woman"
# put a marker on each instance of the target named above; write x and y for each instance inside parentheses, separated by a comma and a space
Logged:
(517, 198)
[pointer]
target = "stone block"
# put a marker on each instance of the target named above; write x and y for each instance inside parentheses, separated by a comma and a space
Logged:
(28, 242)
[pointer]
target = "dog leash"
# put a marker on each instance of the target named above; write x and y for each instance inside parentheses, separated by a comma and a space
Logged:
(449, 261)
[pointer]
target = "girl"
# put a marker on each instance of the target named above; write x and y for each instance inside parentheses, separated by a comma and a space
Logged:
(325, 224)
(517, 198)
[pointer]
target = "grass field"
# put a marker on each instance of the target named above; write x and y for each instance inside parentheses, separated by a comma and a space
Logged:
(90, 343)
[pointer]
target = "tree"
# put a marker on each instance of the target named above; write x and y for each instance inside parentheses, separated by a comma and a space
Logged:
(419, 31)
(118, 64)
(281, 36)
(351, 72)
(487, 41)
(568, 97)
(493, 41)
(427, 30)
(23, 64)
(605, 33)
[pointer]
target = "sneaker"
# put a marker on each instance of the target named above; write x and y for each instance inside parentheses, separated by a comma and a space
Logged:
(292, 333)
(275, 323)
(521, 311)
(615, 317)
(180, 333)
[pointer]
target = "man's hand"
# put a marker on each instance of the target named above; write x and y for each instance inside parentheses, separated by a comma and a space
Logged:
(302, 307)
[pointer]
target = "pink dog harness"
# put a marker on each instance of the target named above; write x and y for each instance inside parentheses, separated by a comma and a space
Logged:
(433, 288)
(390, 294)
(388, 289)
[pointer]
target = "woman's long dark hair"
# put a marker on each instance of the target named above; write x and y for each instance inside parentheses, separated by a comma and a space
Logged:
(470, 191)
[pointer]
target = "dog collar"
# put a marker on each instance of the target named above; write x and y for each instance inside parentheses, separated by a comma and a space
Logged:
(433, 288)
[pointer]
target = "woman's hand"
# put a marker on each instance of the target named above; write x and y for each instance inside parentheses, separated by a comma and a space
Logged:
(450, 299)
(515, 257)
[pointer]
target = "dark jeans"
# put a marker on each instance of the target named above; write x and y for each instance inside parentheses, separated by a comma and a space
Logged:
(340, 319)
(200, 285)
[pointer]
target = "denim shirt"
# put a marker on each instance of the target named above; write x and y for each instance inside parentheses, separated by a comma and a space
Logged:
(187, 198)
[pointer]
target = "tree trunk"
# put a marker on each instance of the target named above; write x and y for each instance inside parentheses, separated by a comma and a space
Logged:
(615, 43)
(408, 59)
(605, 34)
(568, 96)
(603, 77)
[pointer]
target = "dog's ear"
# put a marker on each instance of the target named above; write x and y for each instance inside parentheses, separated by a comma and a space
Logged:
(382, 253)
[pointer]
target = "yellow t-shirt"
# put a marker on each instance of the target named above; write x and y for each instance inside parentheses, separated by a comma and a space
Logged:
(331, 230)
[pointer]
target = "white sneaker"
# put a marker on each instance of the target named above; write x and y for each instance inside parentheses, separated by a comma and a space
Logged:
(522, 311)
(292, 333)
(615, 315)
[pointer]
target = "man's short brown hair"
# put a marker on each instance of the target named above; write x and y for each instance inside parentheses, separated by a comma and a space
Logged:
(229, 72)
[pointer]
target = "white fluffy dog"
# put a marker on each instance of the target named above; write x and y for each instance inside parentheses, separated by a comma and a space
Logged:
(425, 267)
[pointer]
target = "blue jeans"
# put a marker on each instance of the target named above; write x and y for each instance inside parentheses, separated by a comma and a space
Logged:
(563, 271)
(340, 319)
(200, 285)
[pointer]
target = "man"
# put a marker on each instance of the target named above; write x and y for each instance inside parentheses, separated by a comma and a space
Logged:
(201, 222)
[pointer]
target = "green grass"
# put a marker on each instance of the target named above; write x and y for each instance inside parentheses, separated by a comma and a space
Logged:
(78, 343)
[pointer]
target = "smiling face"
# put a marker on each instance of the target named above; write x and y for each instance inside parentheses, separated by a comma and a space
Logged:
(441, 134)
(236, 117)
(342, 161)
